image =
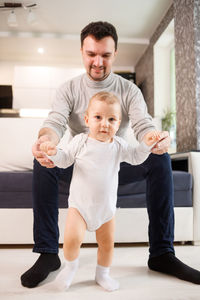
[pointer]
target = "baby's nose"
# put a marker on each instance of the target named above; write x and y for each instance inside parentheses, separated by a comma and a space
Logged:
(105, 123)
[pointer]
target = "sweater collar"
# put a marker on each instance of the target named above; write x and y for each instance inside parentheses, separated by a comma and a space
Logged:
(99, 84)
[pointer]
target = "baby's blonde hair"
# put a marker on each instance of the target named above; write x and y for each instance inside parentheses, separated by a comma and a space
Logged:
(107, 97)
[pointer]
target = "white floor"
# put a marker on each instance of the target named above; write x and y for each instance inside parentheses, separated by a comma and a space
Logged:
(129, 267)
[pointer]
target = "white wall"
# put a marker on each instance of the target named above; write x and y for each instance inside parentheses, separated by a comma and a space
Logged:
(34, 86)
(6, 73)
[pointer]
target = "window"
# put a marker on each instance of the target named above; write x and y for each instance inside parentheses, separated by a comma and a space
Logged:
(164, 82)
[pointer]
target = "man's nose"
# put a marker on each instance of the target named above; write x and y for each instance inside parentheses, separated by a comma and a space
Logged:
(98, 61)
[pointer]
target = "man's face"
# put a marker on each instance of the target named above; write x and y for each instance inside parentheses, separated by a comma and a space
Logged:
(98, 56)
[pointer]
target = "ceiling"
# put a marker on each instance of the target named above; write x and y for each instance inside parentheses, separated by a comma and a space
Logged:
(59, 23)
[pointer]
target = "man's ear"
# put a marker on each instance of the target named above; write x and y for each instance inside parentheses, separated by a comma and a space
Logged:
(115, 54)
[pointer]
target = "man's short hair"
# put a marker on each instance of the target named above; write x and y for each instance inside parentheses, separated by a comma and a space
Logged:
(99, 30)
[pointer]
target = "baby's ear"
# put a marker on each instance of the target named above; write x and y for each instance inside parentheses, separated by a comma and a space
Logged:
(118, 123)
(86, 119)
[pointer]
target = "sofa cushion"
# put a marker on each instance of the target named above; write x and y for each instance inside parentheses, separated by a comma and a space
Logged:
(182, 182)
(22, 181)
(182, 192)
(23, 133)
(16, 187)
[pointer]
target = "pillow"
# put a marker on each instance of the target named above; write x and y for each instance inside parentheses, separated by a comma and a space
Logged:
(17, 137)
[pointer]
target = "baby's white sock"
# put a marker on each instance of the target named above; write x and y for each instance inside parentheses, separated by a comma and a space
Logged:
(65, 277)
(103, 279)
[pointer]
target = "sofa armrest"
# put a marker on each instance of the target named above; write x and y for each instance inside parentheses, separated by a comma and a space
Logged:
(194, 169)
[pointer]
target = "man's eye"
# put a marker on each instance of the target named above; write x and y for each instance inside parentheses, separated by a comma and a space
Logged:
(106, 55)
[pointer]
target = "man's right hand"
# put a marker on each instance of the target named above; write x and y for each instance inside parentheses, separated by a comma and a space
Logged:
(39, 155)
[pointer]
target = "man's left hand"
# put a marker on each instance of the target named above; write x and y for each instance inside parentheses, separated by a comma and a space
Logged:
(163, 144)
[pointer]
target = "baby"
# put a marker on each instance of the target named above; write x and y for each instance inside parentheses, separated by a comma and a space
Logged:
(93, 191)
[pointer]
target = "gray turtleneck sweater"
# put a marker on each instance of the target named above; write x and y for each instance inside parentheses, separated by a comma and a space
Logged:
(72, 99)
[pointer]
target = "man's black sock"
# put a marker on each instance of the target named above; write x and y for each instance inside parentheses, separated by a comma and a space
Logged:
(169, 264)
(46, 263)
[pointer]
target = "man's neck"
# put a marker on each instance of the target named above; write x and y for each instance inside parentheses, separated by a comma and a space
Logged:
(97, 80)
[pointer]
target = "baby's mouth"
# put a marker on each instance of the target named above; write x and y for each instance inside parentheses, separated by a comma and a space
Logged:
(103, 131)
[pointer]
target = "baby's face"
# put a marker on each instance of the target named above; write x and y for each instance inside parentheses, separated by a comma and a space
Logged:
(103, 120)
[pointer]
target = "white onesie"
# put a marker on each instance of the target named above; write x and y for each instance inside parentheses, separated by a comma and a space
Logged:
(93, 189)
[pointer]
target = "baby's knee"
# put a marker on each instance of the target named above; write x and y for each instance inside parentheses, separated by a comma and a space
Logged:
(106, 245)
(71, 244)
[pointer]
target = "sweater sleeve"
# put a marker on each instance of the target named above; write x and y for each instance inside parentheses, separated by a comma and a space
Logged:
(61, 108)
(65, 158)
(141, 121)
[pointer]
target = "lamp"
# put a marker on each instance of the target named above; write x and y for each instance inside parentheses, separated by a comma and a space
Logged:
(13, 6)
(12, 19)
(31, 17)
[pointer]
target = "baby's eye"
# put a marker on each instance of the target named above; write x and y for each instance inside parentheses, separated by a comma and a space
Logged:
(98, 117)
(112, 119)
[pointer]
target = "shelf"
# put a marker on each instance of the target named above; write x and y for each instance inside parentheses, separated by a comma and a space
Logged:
(9, 113)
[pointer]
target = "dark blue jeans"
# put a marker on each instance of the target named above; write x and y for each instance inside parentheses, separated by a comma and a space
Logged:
(159, 196)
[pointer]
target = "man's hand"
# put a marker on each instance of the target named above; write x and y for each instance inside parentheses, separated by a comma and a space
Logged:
(40, 155)
(163, 143)
(151, 138)
(48, 148)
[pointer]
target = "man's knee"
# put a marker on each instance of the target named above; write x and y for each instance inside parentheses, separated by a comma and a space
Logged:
(160, 162)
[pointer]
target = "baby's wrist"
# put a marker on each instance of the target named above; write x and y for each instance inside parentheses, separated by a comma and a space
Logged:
(145, 147)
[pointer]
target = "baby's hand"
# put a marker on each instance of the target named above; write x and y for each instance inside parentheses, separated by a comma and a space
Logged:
(49, 148)
(151, 138)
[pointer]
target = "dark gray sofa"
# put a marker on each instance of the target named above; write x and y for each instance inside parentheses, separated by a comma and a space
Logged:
(16, 217)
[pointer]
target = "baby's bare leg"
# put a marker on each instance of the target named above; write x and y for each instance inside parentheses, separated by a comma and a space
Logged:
(73, 237)
(74, 234)
(105, 240)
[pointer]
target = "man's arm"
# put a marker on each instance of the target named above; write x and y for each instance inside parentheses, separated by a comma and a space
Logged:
(142, 122)
(55, 125)
(45, 134)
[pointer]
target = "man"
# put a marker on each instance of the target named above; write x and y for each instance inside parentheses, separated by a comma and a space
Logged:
(99, 49)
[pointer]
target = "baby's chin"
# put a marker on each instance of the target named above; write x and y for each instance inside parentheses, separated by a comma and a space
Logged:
(105, 140)
(102, 137)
